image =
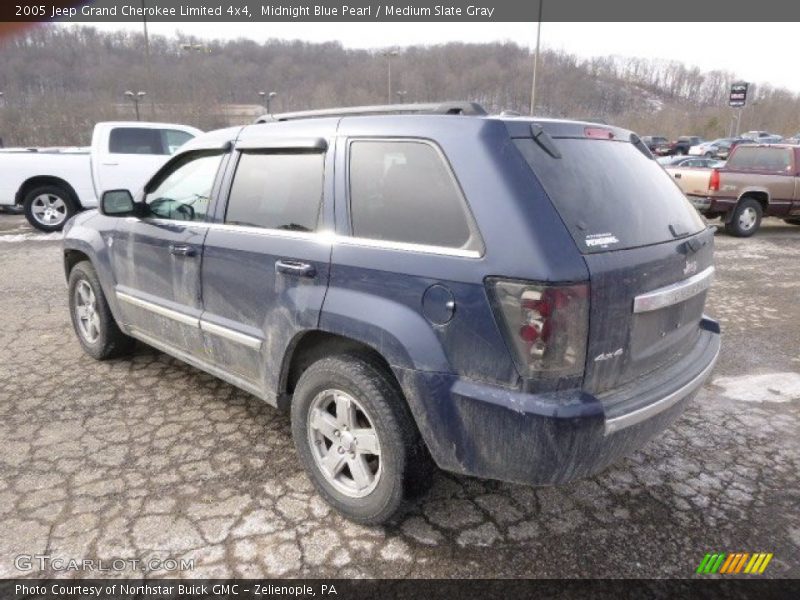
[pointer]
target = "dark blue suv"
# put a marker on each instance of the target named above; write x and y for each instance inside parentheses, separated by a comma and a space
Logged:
(504, 297)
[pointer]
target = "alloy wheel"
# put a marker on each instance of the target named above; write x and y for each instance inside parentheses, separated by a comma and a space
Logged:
(344, 443)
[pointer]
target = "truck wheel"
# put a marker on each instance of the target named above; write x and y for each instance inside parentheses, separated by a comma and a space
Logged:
(48, 207)
(746, 218)
(357, 439)
(98, 332)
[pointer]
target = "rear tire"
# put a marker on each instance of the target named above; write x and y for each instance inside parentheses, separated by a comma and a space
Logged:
(368, 483)
(48, 207)
(97, 331)
(746, 218)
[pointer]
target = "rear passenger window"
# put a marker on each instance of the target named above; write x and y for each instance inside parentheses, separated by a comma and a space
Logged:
(277, 191)
(403, 191)
(135, 140)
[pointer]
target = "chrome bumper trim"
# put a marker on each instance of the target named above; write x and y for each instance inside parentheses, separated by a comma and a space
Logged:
(674, 293)
(642, 414)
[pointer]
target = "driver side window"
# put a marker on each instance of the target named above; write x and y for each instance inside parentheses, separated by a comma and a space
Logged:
(183, 193)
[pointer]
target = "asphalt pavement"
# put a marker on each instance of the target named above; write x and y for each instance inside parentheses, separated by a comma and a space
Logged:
(147, 458)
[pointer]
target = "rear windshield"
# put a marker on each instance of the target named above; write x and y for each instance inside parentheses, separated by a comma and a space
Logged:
(610, 195)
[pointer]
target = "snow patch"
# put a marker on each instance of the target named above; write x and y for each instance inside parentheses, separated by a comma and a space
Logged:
(32, 237)
(770, 387)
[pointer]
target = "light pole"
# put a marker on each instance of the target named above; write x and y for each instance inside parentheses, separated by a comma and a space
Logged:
(389, 54)
(402, 95)
(266, 98)
(135, 98)
(536, 57)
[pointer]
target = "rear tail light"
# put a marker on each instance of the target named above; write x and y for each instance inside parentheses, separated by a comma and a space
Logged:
(545, 326)
(713, 181)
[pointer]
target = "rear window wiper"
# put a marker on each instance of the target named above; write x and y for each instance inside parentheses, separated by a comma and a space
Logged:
(544, 141)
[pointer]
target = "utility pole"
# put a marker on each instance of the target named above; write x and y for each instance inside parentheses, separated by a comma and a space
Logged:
(192, 49)
(389, 54)
(536, 58)
(148, 70)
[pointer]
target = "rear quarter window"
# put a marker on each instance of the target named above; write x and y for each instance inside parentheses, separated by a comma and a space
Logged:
(135, 140)
(610, 195)
(404, 191)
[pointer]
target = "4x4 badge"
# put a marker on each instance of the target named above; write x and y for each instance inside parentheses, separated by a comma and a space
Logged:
(608, 355)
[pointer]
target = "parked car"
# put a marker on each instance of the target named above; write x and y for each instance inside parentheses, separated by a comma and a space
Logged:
(719, 148)
(52, 184)
(690, 173)
(756, 181)
(795, 139)
(654, 142)
(724, 150)
(762, 137)
(681, 145)
(688, 161)
(507, 298)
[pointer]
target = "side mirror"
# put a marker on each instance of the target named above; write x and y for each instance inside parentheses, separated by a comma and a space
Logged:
(117, 203)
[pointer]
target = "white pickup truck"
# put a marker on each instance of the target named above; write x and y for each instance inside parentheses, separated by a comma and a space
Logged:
(52, 184)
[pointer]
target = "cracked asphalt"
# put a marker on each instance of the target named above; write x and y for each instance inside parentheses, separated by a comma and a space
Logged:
(148, 457)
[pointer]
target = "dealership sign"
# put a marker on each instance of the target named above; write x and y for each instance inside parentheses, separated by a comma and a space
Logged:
(738, 96)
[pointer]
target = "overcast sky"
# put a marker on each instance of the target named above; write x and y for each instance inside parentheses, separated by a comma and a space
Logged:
(756, 52)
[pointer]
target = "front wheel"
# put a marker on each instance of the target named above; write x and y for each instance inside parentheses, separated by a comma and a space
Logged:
(48, 207)
(357, 439)
(98, 332)
(746, 218)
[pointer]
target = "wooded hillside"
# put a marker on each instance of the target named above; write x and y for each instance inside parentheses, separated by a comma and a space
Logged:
(58, 82)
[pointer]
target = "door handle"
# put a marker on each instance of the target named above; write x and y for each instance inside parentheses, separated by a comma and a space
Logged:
(182, 250)
(677, 175)
(295, 268)
(107, 164)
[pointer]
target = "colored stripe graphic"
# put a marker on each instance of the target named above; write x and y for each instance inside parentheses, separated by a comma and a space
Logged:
(741, 562)
(765, 563)
(733, 563)
(729, 562)
(711, 562)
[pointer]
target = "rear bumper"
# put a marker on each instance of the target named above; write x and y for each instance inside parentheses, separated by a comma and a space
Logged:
(706, 204)
(491, 432)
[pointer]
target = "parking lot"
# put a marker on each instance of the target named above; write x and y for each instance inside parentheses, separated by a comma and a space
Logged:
(148, 457)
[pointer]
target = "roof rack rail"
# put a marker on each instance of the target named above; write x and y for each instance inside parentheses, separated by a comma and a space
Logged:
(433, 108)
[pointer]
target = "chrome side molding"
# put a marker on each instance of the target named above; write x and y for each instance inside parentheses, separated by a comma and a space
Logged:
(206, 326)
(230, 334)
(159, 310)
